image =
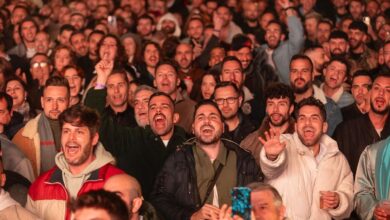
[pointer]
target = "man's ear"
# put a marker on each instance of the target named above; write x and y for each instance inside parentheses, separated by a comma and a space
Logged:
(176, 117)
(42, 102)
(136, 204)
(95, 139)
(154, 83)
(291, 110)
(325, 127)
(282, 37)
(178, 81)
(3, 178)
(282, 212)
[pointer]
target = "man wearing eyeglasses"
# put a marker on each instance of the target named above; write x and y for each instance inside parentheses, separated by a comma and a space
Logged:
(228, 98)
(232, 71)
(40, 69)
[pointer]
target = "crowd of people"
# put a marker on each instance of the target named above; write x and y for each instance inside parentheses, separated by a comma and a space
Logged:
(157, 109)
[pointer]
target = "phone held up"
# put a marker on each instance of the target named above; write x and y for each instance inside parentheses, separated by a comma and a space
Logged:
(241, 202)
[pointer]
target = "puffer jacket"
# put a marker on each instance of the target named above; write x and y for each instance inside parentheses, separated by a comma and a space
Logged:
(175, 192)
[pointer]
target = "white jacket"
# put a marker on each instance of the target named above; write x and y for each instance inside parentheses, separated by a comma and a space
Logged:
(299, 178)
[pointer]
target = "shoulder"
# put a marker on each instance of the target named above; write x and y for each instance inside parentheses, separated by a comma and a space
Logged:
(109, 170)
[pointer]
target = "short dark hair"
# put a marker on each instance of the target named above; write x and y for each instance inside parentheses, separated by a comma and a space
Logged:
(207, 102)
(311, 101)
(231, 58)
(279, 91)
(120, 72)
(28, 19)
(79, 71)
(8, 100)
(171, 63)
(302, 57)
(326, 21)
(101, 199)
(80, 115)
(57, 81)
(67, 27)
(162, 94)
(146, 16)
(362, 73)
(226, 84)
(382, 74)
(337, 34)
(358, 25)
(340, 60)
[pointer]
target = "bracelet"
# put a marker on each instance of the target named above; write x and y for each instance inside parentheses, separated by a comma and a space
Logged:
(288, 8)
(100, 86)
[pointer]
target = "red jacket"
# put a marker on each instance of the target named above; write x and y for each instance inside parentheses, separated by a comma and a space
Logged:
(48, 196)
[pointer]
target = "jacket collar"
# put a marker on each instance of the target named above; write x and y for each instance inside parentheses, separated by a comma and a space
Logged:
(56, 176)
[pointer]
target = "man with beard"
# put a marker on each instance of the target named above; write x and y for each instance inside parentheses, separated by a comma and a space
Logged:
(88, 62)
(302, 167)
(141, 151)
(231, 71)
(169, 25)
(228, 28)
(354, 135)
(189, 73)
(79, 43)
(279, 100)
(40, 138)
(335, 74)
(258, 73)
(249, 18)
(82, 165)
(338, 44)
(229, 99)
(361, 86)
(197, 178)
(167, 81)
(279, 51)
(318, 58)
(301, 80)
(360, 56)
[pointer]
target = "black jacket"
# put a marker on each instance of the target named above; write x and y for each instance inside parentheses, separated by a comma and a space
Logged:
(354, 135)
(175, 192)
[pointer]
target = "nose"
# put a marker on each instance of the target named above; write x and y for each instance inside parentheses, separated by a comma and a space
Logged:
(55, 105)
(116, 89)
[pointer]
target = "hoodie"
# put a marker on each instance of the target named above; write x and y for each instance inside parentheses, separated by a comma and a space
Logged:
(73, 182)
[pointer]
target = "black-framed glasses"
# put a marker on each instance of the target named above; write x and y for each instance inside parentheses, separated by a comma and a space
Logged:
(229, 100)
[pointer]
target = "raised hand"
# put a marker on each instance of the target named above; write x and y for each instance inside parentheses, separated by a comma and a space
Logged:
(217, 21)
(103, 69)
(272, 144)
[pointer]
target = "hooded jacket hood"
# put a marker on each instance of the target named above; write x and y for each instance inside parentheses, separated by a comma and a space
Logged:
(73, 182)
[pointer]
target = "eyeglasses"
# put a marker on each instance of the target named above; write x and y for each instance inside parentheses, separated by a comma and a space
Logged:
(39, 64)
(229, 100)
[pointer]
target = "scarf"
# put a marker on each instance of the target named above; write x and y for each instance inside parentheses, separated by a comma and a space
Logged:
(382, 167)
(48, 148)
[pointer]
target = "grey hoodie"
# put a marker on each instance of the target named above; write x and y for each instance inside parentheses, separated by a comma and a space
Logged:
(73, 182)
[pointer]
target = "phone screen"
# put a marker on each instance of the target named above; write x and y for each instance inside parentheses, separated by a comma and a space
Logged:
(241, 202)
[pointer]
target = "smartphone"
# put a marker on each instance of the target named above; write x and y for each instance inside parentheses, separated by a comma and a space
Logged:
(367, 20)
(111, 20)
(241, 202)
